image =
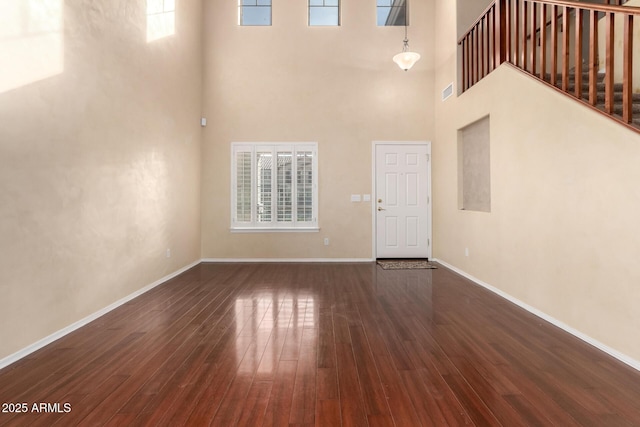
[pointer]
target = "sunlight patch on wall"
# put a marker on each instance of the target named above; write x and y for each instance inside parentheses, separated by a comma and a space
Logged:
(161, 19)
(31, 41)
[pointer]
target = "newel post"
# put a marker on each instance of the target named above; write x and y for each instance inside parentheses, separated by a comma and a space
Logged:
(500, 53)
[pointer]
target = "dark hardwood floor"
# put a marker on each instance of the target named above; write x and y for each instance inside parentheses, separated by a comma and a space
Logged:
(324, 345)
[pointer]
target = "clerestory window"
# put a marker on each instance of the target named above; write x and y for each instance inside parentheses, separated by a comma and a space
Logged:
(391, 12)
(324, 12)
(254, 12)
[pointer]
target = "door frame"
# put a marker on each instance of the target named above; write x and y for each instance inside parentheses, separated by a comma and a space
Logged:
(374, 234)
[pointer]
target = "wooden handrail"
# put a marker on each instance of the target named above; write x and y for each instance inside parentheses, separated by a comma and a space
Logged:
(548, 39)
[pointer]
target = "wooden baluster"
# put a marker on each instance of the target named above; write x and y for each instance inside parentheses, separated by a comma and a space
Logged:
(476, 50)
(501, 34)
(470, 58)
(554, 44)
(608, 74)
(578, 54)
(492, 38)
(593, 57)
(470, 66)
(506, 13)
(481, 43)
(534, 26)
(543, 42)
(627, 70)
(488, 37)
(565, 48)
(524, 35)
(464, 65)
(468, 49)
(516, 33)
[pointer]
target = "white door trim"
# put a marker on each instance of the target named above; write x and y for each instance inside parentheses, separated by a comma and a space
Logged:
(374, 236)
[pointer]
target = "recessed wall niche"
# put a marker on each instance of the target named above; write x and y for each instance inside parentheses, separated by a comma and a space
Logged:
(474, 171)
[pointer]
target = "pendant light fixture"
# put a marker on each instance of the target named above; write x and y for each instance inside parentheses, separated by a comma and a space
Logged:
(406, 59)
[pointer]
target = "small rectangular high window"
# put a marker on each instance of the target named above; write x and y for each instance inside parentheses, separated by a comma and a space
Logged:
(392, 12)
(324, 12)
(254, 12)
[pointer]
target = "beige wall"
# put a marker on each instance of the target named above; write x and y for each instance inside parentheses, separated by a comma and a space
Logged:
(99, 161)
(562, 232)
(468, 11)
(334, 85)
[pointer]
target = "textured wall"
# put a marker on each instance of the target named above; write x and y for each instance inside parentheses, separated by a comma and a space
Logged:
(562, 232)
(99, 158)
(334, 85)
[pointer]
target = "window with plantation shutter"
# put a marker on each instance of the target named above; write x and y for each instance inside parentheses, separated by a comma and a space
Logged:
(274, 187)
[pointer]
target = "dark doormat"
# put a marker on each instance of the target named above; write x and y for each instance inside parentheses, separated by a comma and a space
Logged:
(405, 264)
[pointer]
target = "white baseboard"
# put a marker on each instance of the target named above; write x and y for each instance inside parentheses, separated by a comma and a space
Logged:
(618, 355)
(80, 323)
(288, 260)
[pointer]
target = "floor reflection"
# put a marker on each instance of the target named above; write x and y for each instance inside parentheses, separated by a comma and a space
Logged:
(275, 321)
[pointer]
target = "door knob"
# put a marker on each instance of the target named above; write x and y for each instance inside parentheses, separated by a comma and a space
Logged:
(381, 209)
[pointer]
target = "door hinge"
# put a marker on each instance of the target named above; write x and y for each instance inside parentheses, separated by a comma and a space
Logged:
(428, 157)
(428, 242)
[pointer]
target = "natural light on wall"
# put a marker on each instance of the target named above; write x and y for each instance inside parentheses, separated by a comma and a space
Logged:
(161, 19)
(31, 41)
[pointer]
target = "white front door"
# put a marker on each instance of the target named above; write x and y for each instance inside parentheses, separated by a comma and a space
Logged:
(402, 198)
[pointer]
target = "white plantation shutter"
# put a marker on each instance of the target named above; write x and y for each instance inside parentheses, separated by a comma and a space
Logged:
(284, 205)
(304, 181)
(274, 186)
(243, 186)
(264, 168)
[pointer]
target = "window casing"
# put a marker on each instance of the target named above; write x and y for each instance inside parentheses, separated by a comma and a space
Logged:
(391, 12)
(274, 187)
(254, 12)
(324, 12)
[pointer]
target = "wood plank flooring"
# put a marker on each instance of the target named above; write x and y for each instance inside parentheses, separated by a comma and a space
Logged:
(320, 345)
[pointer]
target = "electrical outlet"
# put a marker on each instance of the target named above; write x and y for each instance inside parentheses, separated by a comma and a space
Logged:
(466, 251)
(168, 253)
(326, 241)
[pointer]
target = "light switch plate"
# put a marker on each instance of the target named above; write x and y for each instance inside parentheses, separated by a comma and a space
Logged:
(366, 197)
(355, 197)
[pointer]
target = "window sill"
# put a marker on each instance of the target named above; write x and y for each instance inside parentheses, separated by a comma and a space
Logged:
(274, 230)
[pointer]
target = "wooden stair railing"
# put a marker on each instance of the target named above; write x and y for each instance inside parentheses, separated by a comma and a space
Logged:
(540, 38)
